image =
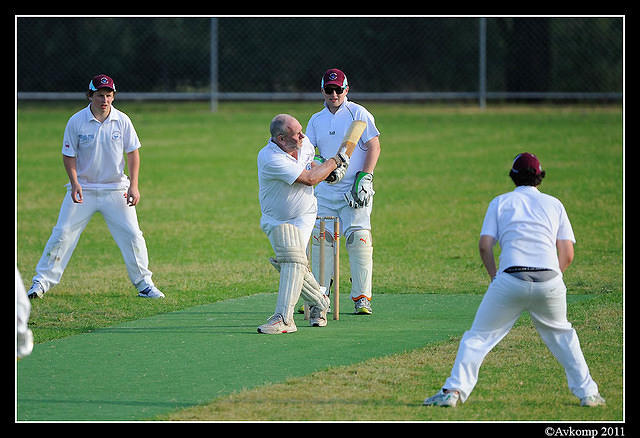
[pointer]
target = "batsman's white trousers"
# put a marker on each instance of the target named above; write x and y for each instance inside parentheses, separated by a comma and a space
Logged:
(506, 298)
(122, 221)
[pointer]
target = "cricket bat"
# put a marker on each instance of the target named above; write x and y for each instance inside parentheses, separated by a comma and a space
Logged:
(352, 136)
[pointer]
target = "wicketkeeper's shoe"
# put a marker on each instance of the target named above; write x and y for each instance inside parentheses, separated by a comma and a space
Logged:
(151, 292)
(443, 398)
(592, 400)
(363, 306)
(36, 290)
(275, 325)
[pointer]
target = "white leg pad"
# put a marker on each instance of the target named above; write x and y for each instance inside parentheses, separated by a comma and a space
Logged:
(291, 279)
(311, 291)
(328, 256)
(288, 244)
(360, 247)
(291, 256)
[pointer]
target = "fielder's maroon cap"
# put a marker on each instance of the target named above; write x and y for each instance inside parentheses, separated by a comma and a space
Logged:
(524, 160)
(334, 77)
(101, 81)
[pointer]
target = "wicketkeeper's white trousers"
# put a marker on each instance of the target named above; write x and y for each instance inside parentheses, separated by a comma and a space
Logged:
(360, 252)
(506, 298)
(122, 221)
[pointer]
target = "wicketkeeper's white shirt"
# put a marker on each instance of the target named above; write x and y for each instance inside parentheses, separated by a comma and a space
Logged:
(99, 148)
(326, 132)
(282, 200)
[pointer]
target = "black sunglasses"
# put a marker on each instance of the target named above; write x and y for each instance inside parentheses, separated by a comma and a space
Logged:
(330, 90)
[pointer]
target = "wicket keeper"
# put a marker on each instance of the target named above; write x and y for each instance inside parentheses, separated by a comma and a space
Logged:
(351, 199)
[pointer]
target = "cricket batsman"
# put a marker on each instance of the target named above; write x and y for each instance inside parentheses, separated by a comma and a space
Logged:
(351, 198)
(286, 176)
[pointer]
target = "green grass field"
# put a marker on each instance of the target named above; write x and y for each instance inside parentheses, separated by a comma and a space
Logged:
(440, 167)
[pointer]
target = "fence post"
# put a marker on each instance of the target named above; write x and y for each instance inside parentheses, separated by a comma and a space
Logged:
(213, 65)
(482, 93)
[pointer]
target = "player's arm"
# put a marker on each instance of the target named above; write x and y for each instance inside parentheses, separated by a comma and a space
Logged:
(485, 246)
(565, 253)
(373, 153)
(317, 173)
(71, 166)
(133, 163)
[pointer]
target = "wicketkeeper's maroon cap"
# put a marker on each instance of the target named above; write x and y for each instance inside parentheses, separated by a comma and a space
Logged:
(101, 81)
(524, 160)
(334, 77)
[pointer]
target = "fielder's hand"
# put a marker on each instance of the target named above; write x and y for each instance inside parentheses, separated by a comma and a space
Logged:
(361, 192)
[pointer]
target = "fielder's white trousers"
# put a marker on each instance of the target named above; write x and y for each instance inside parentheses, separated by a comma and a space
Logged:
(506, 298)
(122, 221)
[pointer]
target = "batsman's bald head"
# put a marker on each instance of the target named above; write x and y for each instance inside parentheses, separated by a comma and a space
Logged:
(282, 124)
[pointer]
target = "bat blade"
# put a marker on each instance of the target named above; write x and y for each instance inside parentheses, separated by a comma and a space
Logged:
(352, 136)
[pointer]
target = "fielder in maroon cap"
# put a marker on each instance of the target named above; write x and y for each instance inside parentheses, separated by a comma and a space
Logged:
(95, 143)
(536, 246)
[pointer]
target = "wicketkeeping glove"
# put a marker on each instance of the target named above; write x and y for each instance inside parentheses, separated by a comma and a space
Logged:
(361, 191)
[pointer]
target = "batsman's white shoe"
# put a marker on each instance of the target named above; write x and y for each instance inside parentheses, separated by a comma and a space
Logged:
(443, 398)
(151, 292)
(593, 400)
(317, 317)
(36, 290)
(275, 325)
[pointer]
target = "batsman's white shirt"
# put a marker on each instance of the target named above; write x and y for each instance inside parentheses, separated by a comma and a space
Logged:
(326, 132)
(99, 148)
(527, 224)
(282, 200)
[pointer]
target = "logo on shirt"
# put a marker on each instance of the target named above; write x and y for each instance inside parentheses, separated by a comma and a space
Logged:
(85, 137)
(116, 135)
(332, 132)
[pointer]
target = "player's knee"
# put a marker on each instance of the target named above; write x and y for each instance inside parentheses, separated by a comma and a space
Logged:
(360, 238)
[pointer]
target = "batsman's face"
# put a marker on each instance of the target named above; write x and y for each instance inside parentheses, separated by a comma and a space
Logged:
(293, 140)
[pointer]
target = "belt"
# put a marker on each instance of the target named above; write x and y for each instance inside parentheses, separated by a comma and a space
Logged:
(512, 269)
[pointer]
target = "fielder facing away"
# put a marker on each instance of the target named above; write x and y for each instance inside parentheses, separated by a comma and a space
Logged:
(95, 141)
(286, 176)
(536, 241)
(351, 199)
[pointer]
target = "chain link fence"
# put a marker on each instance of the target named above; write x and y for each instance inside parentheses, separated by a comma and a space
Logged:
(399, 58)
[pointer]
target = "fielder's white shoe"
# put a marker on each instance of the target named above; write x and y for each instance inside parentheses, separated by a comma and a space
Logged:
(592, 400)
(443, 398)
(36, 290)
(275, 324)
(151, 292)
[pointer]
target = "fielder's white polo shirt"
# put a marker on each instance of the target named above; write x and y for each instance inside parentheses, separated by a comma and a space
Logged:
(99, 148)
(282, 200)
(527, 224)
(326, 132)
